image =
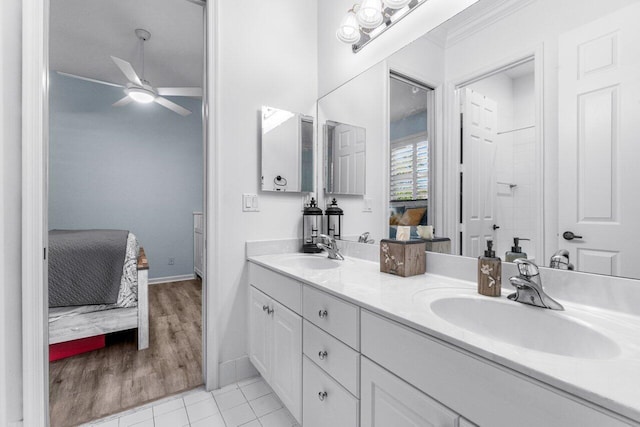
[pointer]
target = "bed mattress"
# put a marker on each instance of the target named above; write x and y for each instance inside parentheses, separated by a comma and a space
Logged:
(127, 292)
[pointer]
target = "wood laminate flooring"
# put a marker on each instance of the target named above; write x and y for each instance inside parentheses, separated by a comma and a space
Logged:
(109, 380)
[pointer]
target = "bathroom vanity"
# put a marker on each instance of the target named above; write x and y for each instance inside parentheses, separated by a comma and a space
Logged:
(342, 344)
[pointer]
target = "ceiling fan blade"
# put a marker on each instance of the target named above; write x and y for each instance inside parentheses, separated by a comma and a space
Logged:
(124, 101)
(172, 106)
(180, 91)
(128, 70)
(88, 79)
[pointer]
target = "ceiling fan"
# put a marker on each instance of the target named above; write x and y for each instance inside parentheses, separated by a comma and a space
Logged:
(140, 90)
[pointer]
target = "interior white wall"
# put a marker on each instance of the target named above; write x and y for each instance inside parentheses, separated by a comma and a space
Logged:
(10, 213)
(337, 63)
(519, 33)
(266, 56)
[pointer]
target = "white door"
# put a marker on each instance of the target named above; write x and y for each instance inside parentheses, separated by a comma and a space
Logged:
(286, 378)
(599, 153)
(260, 331)
(388, 401)
(349, 159)
(479, 120)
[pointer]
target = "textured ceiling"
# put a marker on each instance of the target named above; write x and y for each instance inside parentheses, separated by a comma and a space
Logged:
(85, 33)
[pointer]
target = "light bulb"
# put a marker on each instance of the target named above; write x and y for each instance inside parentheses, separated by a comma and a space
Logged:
(141, 95)
(396, 4)
(370, 14)
(349, 31)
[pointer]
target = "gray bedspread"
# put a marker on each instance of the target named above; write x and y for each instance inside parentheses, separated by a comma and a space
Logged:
(85, 266)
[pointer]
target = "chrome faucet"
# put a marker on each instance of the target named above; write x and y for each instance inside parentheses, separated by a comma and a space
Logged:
(529, 287)
(364, 238)
(560, 260)
(329, 244)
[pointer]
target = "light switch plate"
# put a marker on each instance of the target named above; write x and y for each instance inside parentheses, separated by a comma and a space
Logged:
(366, 205)
(250, 203)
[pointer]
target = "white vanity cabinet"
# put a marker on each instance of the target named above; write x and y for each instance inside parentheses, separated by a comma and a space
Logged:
(388, 401)
(275, 337)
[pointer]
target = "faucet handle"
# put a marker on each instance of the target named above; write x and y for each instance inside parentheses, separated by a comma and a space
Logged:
(527, 268)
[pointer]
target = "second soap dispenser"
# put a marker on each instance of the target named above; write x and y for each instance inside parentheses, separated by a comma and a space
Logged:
(516, 251)
(489, 272)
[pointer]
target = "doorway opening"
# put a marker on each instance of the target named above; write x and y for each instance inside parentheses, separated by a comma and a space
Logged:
(126, 205)
(499, 180)
(411, 116)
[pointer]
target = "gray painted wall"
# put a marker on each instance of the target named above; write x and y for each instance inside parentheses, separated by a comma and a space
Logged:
(137, 167)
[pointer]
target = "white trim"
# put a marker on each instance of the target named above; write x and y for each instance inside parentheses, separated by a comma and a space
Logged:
(168, 279)
(35, 372)
(35, 369)
(212, 203)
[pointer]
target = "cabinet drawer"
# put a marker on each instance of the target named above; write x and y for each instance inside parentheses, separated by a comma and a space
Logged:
(338, 317)
(389, 401)
(340, 360)
(335, 408)
(469, 385)
(281, 288)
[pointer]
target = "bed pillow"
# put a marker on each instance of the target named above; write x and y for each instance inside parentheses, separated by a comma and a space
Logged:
(412, 216)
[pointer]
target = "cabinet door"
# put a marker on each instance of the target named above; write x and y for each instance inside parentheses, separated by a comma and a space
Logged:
(260, 332)
(389, 401)
(286, 373)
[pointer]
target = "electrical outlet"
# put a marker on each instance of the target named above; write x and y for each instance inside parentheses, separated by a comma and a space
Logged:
(172, 261)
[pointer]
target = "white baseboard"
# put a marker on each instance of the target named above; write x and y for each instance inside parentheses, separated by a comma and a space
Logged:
(167, 279)
(236, 370)
(15, 424)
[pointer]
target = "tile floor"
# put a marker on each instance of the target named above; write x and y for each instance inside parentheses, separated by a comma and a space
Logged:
(248, 403)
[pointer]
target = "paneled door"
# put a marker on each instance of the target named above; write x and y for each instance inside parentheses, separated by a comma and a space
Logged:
(260, 331)
(479, 121)
(286, 378)
(349, 158)
(599, 154)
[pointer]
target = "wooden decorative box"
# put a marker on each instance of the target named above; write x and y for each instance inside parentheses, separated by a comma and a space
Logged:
(441, 245)
(403, 258)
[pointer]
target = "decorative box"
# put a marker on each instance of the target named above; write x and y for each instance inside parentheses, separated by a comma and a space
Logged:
(403, 258)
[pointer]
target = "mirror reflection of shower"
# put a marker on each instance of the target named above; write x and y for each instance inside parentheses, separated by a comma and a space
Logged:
(499, 189)
(411, 116)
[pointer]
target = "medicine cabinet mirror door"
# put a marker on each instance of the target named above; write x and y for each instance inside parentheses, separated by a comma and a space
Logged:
(287, 151)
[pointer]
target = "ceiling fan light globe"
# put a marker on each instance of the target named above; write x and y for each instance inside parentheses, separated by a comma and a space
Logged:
(142, 96)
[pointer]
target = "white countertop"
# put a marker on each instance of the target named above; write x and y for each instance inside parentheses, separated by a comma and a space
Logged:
(613, 383)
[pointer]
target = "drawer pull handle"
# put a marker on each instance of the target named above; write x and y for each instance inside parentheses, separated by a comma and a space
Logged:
(265, 308)
(323, 314)
(322, 355)
(322, 395)
(270, 310)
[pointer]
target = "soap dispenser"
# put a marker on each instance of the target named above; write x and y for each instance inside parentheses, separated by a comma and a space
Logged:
(516, 251)
(489, 272)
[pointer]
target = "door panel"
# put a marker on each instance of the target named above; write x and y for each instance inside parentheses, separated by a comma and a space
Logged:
(479, 122)
(287, 358)
(260, 332)
(599, 103)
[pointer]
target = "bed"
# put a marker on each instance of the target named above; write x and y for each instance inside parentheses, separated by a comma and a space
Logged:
(98, 284)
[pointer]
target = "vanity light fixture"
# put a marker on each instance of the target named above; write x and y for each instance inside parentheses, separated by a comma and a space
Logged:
(370, 18)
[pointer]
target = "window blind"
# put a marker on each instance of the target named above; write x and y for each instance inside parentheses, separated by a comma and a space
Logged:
(409, 170)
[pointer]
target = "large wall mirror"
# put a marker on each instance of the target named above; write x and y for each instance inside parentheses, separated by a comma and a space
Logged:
(287, 151)
(526, 129)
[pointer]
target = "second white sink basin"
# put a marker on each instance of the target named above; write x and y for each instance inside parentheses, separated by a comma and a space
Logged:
(313, 262)
(534, 328)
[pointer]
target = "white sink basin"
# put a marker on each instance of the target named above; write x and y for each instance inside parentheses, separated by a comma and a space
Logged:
(529, 327)
(312, 262)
